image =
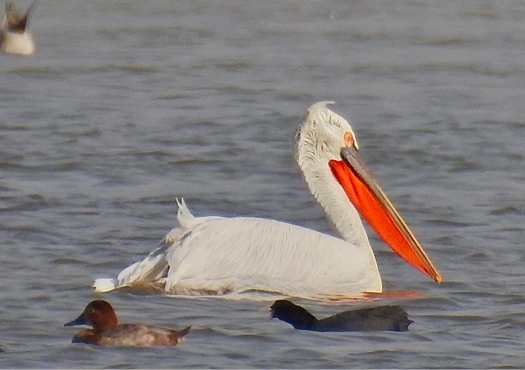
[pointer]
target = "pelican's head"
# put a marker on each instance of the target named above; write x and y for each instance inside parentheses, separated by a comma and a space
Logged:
(327, 153)
(322, 135)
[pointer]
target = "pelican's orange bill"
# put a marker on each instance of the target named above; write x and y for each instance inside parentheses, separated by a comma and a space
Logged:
(366, 195)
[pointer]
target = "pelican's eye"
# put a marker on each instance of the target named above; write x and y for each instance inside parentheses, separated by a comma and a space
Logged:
(350, 140)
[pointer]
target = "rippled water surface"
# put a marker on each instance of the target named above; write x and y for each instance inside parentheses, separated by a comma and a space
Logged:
(130, 104)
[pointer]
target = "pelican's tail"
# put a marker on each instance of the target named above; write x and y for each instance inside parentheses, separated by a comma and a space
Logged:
(104, 285)
(154, 267)
(151, 269)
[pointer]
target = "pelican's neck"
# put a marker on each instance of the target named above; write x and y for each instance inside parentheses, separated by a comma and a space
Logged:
(318, 141)
(338, 209)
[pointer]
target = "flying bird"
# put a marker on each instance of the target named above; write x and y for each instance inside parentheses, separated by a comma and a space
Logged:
(14, 35)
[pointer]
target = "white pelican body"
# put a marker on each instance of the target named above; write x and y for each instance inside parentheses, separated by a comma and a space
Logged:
(217, 255)
(14, 37)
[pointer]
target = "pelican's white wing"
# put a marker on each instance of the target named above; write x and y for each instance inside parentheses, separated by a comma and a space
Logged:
(216, 255)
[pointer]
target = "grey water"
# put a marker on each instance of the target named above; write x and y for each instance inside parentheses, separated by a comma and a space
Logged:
(128, 105)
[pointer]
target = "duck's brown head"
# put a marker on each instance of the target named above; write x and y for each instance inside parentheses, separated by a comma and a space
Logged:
(99, 314)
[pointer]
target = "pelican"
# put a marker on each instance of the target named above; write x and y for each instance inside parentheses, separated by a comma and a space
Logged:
(217, 255)
(14, 36)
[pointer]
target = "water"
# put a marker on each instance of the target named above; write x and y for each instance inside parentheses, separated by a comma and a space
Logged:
(129, 104)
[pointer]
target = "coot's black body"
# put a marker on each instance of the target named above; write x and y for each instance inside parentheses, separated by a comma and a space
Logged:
(392, 318)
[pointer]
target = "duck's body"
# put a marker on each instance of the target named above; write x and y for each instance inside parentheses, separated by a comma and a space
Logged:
(131, 335)
(107, 332)
(15, 38)
(382, 318)
(217, 255)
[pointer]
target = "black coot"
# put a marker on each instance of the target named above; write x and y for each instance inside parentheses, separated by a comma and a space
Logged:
(392, 318)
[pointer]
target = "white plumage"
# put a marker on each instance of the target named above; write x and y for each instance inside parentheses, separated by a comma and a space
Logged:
(218, 256)
(15, 38)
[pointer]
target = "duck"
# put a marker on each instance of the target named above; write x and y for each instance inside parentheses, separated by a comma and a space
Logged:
(381, 318)
(15, 39)
(106, 331)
